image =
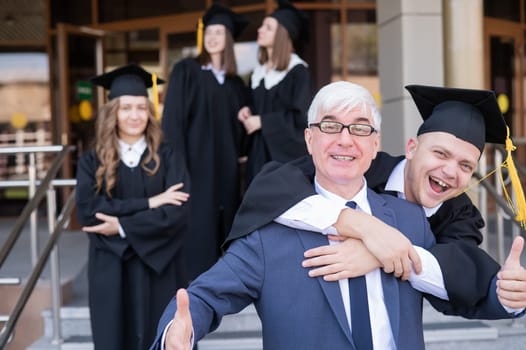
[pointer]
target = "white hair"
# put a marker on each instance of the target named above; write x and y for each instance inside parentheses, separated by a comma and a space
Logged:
(343, 96)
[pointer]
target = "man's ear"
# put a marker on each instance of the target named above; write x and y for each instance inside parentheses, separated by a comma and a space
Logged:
(410, 147)
(308, 139)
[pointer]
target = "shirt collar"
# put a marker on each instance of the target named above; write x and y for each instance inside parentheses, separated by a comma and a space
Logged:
(396, 182)
(360, 198)
(138, 147)
(218, 74)
(131, 154)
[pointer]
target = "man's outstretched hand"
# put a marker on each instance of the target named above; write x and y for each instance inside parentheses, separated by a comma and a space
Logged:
(179, 334)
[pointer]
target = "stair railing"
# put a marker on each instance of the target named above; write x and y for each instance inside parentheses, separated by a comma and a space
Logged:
(46, 186)
(502, 210)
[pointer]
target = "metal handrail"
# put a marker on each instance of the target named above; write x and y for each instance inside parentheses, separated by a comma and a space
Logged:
(39, 194)
(501, 202)
(50, 251)
(63, 219)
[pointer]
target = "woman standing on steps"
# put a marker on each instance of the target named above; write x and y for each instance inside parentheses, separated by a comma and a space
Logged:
(130, 201)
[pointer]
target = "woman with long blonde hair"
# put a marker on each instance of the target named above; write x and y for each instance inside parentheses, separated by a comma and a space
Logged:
(131, 203)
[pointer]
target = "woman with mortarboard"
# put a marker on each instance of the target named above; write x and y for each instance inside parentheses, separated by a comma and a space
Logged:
(130, 201)
(281, 91)
(200, 117)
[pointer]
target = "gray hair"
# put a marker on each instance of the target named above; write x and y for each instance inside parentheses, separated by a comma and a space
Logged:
(341, 97)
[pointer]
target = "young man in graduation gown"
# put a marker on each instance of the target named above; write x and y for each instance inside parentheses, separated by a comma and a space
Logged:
(130, 202)
(434, 172)
(200, 118)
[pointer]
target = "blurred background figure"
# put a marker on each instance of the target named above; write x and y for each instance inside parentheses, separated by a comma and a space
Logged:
(200, 117)
(280, 91)
(130, 201)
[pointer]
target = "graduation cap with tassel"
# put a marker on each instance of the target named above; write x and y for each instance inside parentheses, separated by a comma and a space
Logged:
(475, 117)
(131, 80)
(219, 14)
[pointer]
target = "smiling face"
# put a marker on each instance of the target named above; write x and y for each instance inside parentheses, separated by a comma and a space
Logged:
(439, 167)
(267, 32)
(214, 38)
(342, 159)
(132, 118)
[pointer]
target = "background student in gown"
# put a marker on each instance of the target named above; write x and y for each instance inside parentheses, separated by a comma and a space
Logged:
(200, 117)
(131, 193)
(280, 91)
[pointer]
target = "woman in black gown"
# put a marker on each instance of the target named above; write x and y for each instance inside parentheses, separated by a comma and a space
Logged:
(130, 202)
(281, 92)
(200, 117)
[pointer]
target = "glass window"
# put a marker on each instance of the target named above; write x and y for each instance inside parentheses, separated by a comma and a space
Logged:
(361, 46)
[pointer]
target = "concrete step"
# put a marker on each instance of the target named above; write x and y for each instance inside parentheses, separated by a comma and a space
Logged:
(243, 331)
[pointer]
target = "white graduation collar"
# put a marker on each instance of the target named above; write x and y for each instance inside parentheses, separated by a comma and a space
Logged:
(273, 77)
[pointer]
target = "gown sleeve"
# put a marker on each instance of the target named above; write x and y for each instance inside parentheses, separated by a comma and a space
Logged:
(89, 203)
(467, 269)
(151, 231)
(274, 190)
(283, 130)
(178, 103)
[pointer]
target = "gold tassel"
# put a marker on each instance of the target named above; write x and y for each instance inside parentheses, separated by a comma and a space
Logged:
(520, 207)
(200, 36)
(155, 97)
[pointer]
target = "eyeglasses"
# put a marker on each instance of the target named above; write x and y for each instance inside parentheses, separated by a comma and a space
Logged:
(330, 127)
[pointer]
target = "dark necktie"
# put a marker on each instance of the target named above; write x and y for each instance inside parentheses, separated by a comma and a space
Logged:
(360, 321)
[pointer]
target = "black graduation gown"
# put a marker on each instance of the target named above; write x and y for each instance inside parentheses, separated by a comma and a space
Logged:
(200, 117)
(130, 280)
(283, 112)
(467, 270)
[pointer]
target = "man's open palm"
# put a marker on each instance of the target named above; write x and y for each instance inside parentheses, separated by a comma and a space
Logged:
(179, 334)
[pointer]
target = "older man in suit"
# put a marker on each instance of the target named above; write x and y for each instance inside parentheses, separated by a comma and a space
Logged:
(434, 173)
(264, 267)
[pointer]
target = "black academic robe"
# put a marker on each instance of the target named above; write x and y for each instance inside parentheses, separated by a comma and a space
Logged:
(283, 112)
(468, 270)
(131, 279)
(200, 118)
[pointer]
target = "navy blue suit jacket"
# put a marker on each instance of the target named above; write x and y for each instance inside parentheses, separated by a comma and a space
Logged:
(297, 311)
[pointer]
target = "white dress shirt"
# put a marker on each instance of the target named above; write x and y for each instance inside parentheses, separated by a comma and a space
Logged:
(380, 326)
(318, 213)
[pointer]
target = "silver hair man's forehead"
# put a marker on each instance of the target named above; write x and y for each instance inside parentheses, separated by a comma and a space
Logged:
(343, 96)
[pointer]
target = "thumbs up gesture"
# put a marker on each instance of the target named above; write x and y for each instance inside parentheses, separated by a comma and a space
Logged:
(511, 283)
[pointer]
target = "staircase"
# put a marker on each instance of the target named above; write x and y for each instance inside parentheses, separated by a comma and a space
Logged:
(243, 331)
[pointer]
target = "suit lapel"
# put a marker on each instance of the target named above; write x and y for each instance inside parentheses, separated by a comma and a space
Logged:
(331, 290)
(389, 282)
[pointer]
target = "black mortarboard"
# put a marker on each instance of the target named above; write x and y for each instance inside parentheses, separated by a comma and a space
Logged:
(295, 21)
(219, 14)
(471, 115)
(126, 80)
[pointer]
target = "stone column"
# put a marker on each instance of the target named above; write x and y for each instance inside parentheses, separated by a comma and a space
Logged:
(410, 51)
